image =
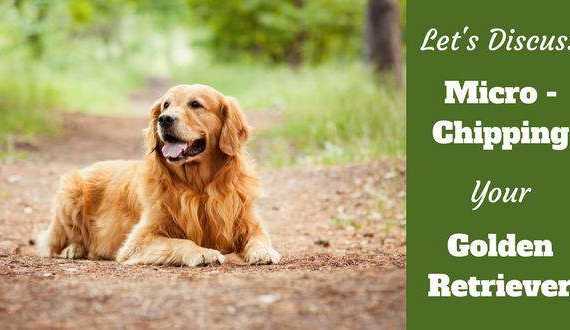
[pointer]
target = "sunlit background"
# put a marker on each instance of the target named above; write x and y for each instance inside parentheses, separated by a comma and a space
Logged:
(308, 63)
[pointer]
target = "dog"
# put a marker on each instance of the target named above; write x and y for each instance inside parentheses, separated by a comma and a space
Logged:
(187, 203)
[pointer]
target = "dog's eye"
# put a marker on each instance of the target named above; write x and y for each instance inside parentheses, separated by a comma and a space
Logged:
(194, 104)
(166, 105)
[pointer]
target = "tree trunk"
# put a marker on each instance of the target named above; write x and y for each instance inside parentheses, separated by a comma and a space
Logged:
(383, 37)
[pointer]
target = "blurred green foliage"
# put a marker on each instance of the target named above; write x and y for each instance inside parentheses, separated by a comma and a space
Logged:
(80, 55)
(293, 31)
(337, 114)
(300, 59)
(25, 101)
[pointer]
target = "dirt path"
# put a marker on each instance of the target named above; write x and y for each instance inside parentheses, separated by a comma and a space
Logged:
(339, 229)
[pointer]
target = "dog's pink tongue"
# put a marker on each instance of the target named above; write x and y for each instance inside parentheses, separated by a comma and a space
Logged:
(173, 150)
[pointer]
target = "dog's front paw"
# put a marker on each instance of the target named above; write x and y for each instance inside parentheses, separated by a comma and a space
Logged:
(261, 255)
(204, 256)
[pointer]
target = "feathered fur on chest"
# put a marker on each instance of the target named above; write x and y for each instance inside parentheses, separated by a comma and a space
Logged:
(213, 215)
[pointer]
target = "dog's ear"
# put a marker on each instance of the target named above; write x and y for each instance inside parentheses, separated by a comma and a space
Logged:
(151, 137)
(235, 130)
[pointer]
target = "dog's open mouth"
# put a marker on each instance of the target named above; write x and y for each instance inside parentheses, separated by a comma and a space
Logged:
(175, 149)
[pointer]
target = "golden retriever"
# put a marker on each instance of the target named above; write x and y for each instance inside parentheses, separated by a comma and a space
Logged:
(190, 200)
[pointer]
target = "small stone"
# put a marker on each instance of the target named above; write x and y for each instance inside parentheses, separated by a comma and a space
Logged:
(268, 299)
(14, 178)
(375, 216)
(323, 243)
(390, 175)
(312, 308)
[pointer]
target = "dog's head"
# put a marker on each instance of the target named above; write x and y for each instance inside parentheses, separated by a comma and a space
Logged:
(191, 122)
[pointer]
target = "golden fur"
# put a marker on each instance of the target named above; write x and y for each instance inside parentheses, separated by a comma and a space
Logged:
(160, 210)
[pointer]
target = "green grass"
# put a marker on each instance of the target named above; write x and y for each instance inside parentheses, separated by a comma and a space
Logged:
(340, 116)
(32, 96)
(26, 103)
(335, 113)
(76, 71)
(98, 89)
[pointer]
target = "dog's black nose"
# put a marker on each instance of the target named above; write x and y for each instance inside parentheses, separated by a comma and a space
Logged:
(166, 120)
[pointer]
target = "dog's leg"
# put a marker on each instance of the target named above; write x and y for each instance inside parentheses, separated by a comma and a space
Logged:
(145, 246)
(258, 249)
(168, 251)
(51, 241)
(61, 240)
(67, 235)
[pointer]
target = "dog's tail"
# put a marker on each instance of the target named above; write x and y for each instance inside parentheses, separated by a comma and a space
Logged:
(67, 212)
